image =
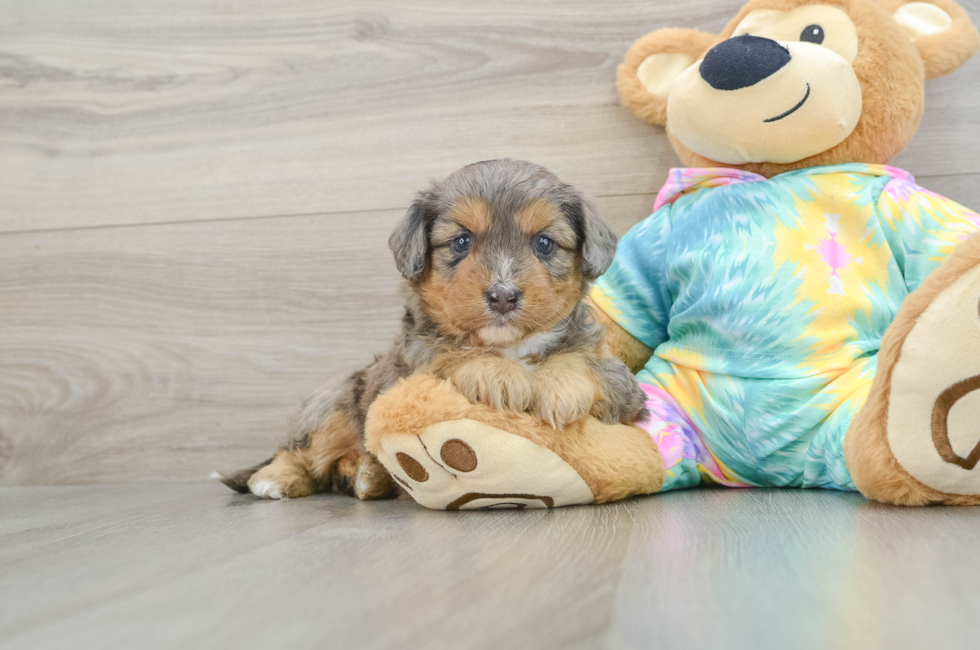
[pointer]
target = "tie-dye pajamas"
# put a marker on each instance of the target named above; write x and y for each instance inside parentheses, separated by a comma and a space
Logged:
(765, 302)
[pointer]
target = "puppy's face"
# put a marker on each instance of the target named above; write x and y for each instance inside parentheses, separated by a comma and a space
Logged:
(501, 250)
(501, 275)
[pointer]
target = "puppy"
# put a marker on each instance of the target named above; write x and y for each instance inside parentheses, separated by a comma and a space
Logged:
(498, 258)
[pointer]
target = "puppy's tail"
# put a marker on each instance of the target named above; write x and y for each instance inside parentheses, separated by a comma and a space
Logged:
(238, 481)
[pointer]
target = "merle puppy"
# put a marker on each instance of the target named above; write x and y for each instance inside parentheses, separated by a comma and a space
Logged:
(498, 258)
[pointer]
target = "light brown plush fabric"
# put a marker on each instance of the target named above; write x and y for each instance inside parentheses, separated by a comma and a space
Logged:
(631, 351)
(647, 107)
(889, 67)
(873, 467)
(945, 52)
(614, 460)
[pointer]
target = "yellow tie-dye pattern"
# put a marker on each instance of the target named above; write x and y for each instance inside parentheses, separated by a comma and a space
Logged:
(773, 350)
(606, 303)
(687, 386)
(950, 223)
(686, 357)
(832, 216)
(708, 477)
(849, 388)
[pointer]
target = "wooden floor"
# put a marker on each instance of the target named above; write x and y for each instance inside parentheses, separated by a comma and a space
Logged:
(195, 198)
(198, 567)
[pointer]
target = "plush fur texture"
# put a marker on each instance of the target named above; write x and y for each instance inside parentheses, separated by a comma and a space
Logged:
(632, 352)
(653, 108)
(499, 225)
(874, 469)
(891, 69)
(891, 65)
(615, 460)
(945, 52)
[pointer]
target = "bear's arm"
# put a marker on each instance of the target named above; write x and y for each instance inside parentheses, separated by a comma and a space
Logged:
(631, 351)
(632, 299)
(922, 227)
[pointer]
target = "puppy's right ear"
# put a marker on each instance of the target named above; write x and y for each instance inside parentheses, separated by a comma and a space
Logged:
(409, 242)
(652, 64)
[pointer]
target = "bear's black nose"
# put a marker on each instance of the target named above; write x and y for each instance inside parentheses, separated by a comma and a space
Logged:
(742, 61)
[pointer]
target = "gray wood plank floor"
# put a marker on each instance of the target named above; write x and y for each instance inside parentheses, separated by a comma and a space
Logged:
(195, 566)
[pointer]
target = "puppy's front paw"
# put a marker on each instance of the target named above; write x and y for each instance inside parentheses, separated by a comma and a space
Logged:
(562, 398)
(499, 383)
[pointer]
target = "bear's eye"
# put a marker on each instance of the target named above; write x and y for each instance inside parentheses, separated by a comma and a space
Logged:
(461, 244)
(812, 34)
(544, 245)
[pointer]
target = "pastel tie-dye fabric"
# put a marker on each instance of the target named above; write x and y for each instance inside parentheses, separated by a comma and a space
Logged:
(765, 301)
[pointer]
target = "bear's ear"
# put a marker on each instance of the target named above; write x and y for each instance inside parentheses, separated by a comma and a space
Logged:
(941, 30)
(651, 66)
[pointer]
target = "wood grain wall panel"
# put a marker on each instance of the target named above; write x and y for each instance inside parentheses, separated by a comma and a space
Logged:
(114, 112)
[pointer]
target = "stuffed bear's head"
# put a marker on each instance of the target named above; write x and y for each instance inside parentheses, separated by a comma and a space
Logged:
(797, 83)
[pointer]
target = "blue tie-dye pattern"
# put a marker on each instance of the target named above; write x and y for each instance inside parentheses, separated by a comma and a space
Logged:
(765, 331)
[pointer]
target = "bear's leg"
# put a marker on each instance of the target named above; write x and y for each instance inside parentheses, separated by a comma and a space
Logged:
(450, 454)
(917, 439)
(687, 459)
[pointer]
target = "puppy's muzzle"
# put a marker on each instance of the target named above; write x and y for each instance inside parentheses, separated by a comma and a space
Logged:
(503, 298)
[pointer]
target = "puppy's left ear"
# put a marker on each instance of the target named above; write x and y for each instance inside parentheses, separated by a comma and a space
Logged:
(941, 29)
(597, 238)
(409, 241)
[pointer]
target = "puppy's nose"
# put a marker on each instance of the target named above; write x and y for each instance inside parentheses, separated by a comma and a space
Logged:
(503, 298)
(742, 61)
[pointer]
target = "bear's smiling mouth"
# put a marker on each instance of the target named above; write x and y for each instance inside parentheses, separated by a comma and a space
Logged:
(792, 110)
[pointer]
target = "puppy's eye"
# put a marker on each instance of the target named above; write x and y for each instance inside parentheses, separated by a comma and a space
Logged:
(812, 34)
(544, 245)
(461, 245)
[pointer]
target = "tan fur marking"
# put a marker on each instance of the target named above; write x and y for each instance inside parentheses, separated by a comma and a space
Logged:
(288, 470)
(546, 300)
(457, 305)
(631, 351)
(565, 390)
(372, 480)
(542, 216)
(445, 230)
(498, 382)
(344, 472)
(334, 440)
(472, 213)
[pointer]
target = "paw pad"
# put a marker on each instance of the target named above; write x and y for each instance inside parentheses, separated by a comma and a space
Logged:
(469, 465)
(458, 455)
(412, 467)
(934, 390)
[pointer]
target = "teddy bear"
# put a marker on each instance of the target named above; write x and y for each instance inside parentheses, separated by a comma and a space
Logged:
(798, 313)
